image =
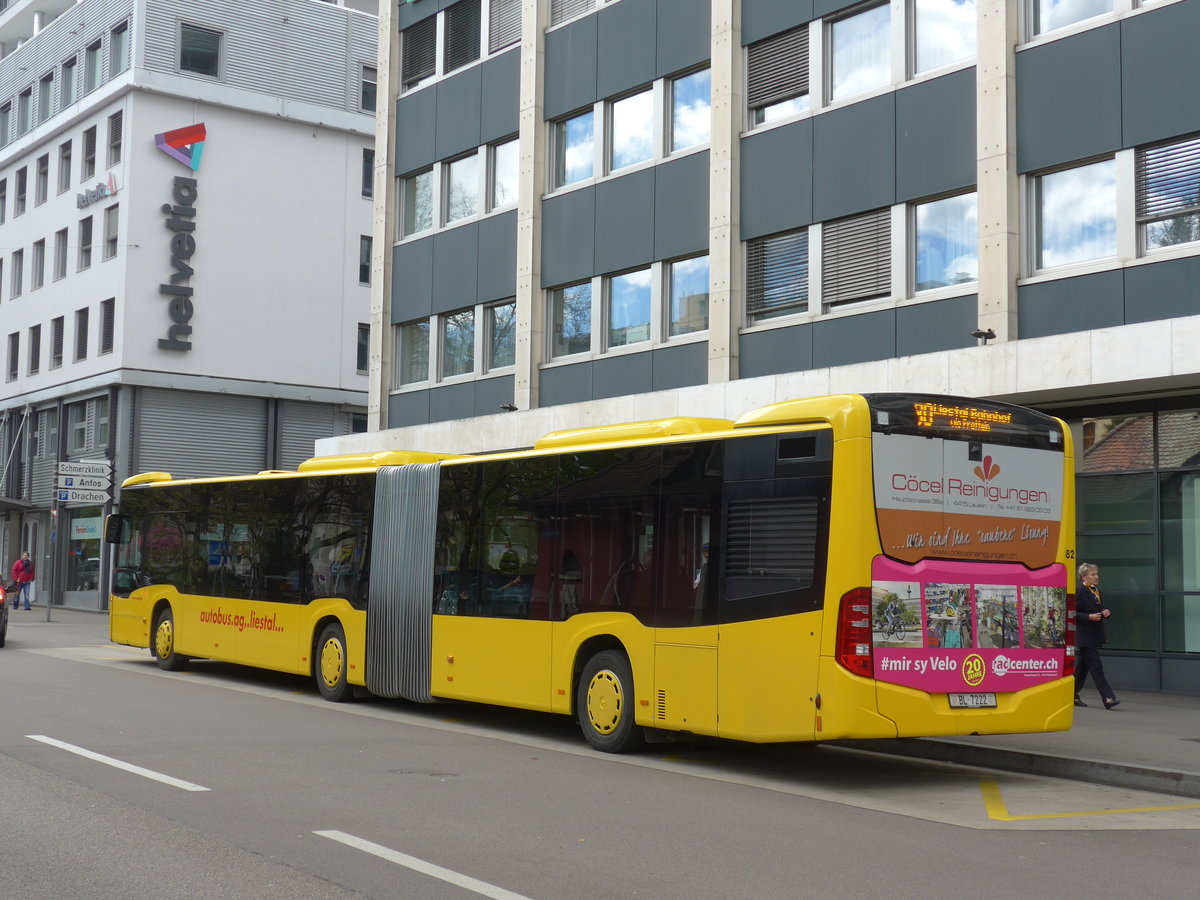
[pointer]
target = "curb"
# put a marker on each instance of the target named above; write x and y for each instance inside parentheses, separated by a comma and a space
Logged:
(1093, 771)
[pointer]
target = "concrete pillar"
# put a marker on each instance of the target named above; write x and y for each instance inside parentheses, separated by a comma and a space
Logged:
(726, 268)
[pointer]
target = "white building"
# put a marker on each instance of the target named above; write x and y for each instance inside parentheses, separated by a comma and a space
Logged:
(184, 204)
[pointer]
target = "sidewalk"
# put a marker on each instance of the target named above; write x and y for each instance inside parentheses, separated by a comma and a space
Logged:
(1150, 742)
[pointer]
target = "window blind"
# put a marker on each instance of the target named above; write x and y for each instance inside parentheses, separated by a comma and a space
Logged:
(418, 51)
(561, 10)
(777, 275)
(778, 68)
(462, 34)
(1168, 180)
(505, 24)
(856, 258)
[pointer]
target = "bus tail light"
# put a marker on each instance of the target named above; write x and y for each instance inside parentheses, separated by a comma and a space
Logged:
(1069, 637)
(854, 632)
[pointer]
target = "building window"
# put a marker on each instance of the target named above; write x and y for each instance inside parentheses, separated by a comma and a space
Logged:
(45, 97)
(413, 353)
(14, 355)
(504, 24)
(688, 281)
(112, 217)
(418, 53)
(505, 173)
(574, 149)
(367, 89)
(81, 334)
(777, 275)
(92, 68)
(41, 180)
(417, 202)
(571, 320)
(6, 134)
(691, 110)
(66, 87)
(116, 127)
(37, 265)
(364, 259)
(108, 315)
(944, 33)
(118, 49)
(87, 165)
(60, 254)
(860, 50)
(77, 427)
(35, 349)
(17, 275)
(3, 200)
(1076, 214)
(24, 111)
(561, 10)
(56, 342)
(501, 335)
(64, 167)
(22, 185)
(1049, 15)
(856, 258)
(946, 242)
(1167, 186)
(100, 414)
(458, 343)
(85, 243)
(462, 35)
(777, 76)
(462, 188)
(629, 303)
(46, 435)
(631, 130)
(368, 173)
(363, 354)
(199, 50)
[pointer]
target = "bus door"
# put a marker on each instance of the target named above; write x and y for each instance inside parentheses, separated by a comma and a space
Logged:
(775, 536)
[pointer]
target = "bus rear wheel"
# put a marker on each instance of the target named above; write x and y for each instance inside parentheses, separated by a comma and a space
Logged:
(163, 643)
(331, 670)
(604, 704)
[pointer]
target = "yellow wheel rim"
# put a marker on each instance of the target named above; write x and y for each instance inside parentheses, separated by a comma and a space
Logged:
(605, 701)
(164, 639)
(333, 661)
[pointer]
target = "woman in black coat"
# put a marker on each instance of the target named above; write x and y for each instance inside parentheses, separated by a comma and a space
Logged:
(1090, 614)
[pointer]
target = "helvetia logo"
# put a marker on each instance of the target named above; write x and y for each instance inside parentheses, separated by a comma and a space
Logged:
(988, 470)
(185, 145)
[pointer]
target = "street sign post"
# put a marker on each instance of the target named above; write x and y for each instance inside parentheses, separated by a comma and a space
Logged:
(88, 497)
(100, 467)
(84, 482)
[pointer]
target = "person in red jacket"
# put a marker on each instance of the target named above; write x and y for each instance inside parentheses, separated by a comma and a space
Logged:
(22, 573)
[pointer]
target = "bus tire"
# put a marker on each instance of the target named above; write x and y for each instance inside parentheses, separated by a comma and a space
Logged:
(604, 704)
(330, 666)
(162, 643)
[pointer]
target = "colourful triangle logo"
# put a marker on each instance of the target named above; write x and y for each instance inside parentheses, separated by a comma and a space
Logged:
(183, 144)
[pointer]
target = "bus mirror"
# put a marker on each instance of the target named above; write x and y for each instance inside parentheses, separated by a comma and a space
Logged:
(118, 529)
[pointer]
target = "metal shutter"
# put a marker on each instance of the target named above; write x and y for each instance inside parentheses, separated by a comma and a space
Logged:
(777, 275)
(300, 426)
(418, 51)
(773, 538)
(856, 258)
(193, 435)
(561, 10)
(778, 68)
(505, 24)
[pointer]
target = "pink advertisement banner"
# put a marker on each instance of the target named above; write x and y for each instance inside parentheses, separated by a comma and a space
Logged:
(958, 627)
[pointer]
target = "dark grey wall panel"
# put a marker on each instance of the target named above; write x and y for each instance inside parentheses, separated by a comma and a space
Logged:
(411, 408)
(565, 384)
(1162, 291)
(681, 365)
(410, 13)
(763, 18)
(775, 351)
(1160, 70)
(939, 325)
(625, 222)
(412, 280)
(854, 339)
(626, 45)
(681, 207)
(458, 110)
(1070, 304)
(501, 112)
(1069, 99)
(776, 179)
(935, 143)
(854, 150)
(455, 268)
(569, 237)
(416, 120)
(620, 376)
(497, 257)
(684, 31)
(491, 393)
(570, 68)
(453, 401)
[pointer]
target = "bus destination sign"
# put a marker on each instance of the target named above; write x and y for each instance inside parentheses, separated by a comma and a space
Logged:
(959, 418)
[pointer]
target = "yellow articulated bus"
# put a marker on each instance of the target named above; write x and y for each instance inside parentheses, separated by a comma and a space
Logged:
(853, 566)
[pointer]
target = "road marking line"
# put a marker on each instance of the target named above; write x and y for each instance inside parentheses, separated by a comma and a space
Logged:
(118, 764)
(997, 809)
(419, 865)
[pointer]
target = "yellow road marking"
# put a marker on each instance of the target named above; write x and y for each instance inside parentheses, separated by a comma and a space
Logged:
(997, 809)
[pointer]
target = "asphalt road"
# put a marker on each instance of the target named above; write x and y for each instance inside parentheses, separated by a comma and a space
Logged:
(118, 780)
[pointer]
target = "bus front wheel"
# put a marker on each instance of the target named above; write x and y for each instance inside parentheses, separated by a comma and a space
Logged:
(605, 704)
(163, 645)
(331, 664)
